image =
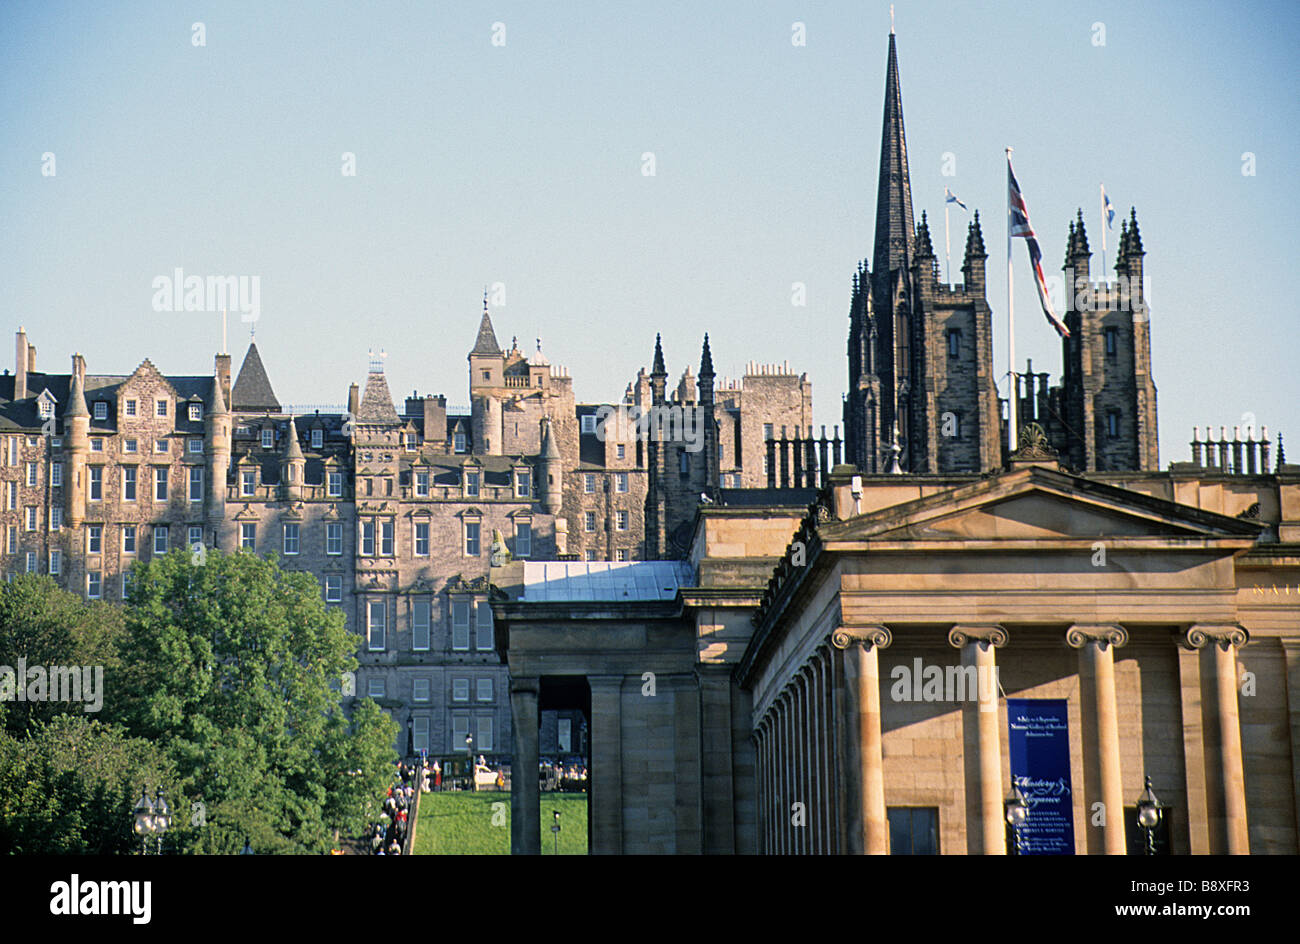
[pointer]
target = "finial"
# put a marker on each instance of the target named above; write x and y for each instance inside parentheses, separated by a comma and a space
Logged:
(891, 19)
(485, 308)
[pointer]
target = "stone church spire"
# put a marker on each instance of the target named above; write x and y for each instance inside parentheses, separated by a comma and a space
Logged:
(895, 227)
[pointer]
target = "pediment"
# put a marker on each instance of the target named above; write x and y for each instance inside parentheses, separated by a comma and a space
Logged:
(1039, 505)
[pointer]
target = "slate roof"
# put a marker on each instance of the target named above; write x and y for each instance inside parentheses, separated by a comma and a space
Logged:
(376, 407)
(252, 390)
(486, 342)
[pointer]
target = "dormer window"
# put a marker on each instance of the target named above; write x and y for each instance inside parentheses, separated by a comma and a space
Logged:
(101, 411)
(317, 439)
(268, 438)
(196, 412)
(459, 440)
(45, 407)
(471, 483)
(523, 483)
(589, 422)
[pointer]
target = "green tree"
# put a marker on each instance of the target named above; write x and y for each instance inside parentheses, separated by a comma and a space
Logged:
(233, 667)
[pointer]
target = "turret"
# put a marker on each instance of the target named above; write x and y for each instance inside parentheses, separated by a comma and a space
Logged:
(551, 470)
(712, 470)
(972, 266)
(1129, 265)
(487, 363)
(293, 465)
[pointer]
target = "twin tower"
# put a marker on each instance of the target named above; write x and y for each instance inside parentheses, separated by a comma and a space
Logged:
(922, 394)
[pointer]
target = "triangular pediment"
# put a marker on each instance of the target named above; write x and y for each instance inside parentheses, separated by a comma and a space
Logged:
(1038, 505)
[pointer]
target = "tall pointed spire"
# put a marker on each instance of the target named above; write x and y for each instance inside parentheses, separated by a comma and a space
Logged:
(706, 360)
(658, 368)
(895, 227)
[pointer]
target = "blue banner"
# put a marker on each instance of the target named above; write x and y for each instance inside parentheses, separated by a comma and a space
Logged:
(1040, 767)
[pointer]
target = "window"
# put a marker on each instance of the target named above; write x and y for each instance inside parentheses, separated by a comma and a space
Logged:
(13, 496)
(160, 538)
(589, 521)
(247, 482)
(621, 451)
(767, 432)
(333, 588)
(196, 412)
(31, 517)
(333, 538)
(13, 449)
(160, 484)
(367, 539)
(268, 439)
(386, 538)
(459, 440)
(195, 535)
(523, 539)
(56, 518)
(459, 731)
(376, 626)
(128, 584)
(56, 474)
(31, 562)
(621, 554)
(196, 447)
(128, 539)
(487, 375)
(1112, 340)
(94, 538)
(523, 486)
(1112, 424)
(422, 539)
(683, 463)
(420, 733)
(128, 482)
(96, 483)
(160, 408)
(291, 539)
(335, 484)
(408, 442)
(13, 539)
(483, 689)
(421, 484)
(420, 626)
(420, 690)
(588, 482)
(94, 584)
(564, 734)
(317, 438)
(620, 520)
(131, 446)
(913, 830)
(620, 482)
(130, 408)
(375, 688)
(460, 625)
(460, 689)
(56, 563)
(101, 410)
(471, 484)
(162, 447)
(485, 733)
(485, 641)
(472, 539)
(248, 535)
(589, 422)
(31, 475)
(591, 554)
(196, 483)
(954, 342)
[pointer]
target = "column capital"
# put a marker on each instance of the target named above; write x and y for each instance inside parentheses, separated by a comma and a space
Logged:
(1223, 635)
(1103, 634)
(865, 636)
(986, 634)
(525, 685)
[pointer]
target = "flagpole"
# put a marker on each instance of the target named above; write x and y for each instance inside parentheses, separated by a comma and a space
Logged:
(1011, 327)
(1103, 232)
(947, 243)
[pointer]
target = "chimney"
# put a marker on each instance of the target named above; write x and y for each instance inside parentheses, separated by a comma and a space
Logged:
(21, 358)
(221, 371)
(354, 399)
(435, 419)
(31, 358)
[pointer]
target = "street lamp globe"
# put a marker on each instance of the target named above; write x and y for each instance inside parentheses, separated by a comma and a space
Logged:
(1148, 808)
(1017, 808)
(144, 815)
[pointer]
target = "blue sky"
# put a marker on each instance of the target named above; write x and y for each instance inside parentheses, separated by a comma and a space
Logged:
(521, 164)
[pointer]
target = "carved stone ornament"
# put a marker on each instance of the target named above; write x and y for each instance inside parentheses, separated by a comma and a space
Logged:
(1033, 444)
(867, 636)
(985, 636)
(1221, 635)
(1076, 637)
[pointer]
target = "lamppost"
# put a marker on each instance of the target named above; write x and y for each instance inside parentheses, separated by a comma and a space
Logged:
(1149, 815)
(152, 818)
(248, 848)
(555, 830)
(469, 760)
(1017, 811)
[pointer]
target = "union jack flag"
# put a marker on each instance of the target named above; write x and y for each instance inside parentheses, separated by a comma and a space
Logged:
(1019, 223)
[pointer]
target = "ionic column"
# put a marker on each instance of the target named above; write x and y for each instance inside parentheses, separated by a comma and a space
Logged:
(1224, 639)
(864, 762)
(985, 830)
(525, 791)
(1100, 716)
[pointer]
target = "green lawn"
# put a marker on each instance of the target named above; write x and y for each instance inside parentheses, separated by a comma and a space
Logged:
(472, 824)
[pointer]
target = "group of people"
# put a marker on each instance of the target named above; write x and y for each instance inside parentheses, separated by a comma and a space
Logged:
(566, 778)
(388, 835)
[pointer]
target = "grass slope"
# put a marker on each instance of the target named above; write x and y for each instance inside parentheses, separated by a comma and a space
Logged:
(462, 824)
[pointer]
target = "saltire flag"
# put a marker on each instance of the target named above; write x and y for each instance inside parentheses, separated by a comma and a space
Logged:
(1107, 209)
(1020, 227)
(950, 197)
